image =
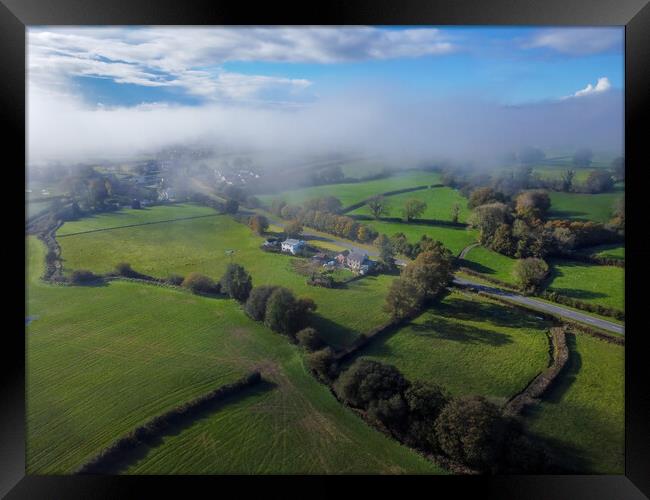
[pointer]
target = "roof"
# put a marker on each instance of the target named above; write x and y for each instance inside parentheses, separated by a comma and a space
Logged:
(293, 242)
(357, 256)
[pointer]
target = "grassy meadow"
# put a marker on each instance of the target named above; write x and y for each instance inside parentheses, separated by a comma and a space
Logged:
(439, 202)
(591, 283)
(491, 263)
(355, 192)
(200, 244)
(469, 345)
(583, 415)
(579, 206)
(103, 360)
(607, 251)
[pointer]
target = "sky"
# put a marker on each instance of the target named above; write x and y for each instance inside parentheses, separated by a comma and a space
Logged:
(106, 91)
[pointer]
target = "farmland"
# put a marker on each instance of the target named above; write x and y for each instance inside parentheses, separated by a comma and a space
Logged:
(198, 245)
(504, 347)
(577, 206)
(583, 415)
(607, 251)
(588, 282)
(130, 351)
(439, 202)
(355, 192)
(491, 263)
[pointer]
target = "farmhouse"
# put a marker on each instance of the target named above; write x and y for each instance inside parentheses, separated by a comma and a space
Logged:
(292, 246)
(355, 261)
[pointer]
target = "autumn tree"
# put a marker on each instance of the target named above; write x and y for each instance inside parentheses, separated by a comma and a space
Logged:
(413, 208)
(258, 223)
(378, 206)
(431, 271)
(532, 204)
(484, 195)
(530, 273)
(293, 229)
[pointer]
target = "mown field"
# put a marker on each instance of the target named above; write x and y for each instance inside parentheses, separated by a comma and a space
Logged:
(603, 285)
(439, 204)
(578, 206)
(354, 192)
(199, 245)
(469, 345)
(103, 360)
(583, 415)
(491, 263)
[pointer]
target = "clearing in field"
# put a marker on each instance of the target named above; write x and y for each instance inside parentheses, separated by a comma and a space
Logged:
(102, 360)
(604, 285)
(583, 415)
(355, 192)
(439, 200)
(199, 245)
(469, 345)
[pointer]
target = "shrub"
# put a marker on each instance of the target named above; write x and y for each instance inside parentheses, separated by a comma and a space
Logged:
(236, 282)
(471, 430)
(124, 269)
(82, 276)
(255, 306)
(284, 313)
(199, 283)
(367, 382)
(322, 362)
(530, 273)
(309, 339)
(175, 279)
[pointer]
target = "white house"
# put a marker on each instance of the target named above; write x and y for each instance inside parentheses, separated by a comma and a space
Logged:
(292, 246)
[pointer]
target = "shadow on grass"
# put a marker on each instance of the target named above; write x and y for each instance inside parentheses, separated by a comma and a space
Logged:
(496, 314)
(446, 329)
(475, 266)
(133, 456)
(334, 334)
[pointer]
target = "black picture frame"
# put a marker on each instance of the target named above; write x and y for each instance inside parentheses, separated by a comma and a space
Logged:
(15, 15)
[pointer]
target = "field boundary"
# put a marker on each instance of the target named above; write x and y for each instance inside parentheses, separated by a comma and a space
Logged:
(155, 427)
(532, 393)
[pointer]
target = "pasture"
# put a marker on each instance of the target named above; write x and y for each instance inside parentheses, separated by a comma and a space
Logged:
(491, 263)
(469, 345)
(355, 192)
(607, 251)
(591, 283)
(439, 202)
(578, 206)
(103, 360)
(583, 415)
(452, 237)
(199, 245)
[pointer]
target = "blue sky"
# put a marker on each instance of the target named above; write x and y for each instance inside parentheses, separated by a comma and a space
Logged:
(508, 65)
(472, 92)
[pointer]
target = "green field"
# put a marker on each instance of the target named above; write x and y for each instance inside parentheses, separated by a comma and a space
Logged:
(199, 245)
(439, 204)
(453, 238)
(491, 263)
(128, 217)
(591, 283)
(583, 415)
(556, 171)
(469, 345)
(607, 251)
(103, 360)
(354, 192)
(577, 206)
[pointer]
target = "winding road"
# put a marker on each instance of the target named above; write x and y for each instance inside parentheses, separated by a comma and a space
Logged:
(530, 302)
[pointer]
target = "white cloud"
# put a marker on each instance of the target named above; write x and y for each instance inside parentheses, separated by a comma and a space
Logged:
(577, 41)
(602, 85)
(191, 58)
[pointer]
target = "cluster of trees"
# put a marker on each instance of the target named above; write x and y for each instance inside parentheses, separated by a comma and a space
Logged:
(420, 282)
(327, 175)
(280, 310)
(520, 229)
(469, 430)
(323, 220)
(258, 223)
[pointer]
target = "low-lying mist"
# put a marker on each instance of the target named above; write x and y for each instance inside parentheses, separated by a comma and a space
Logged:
(405, 131)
